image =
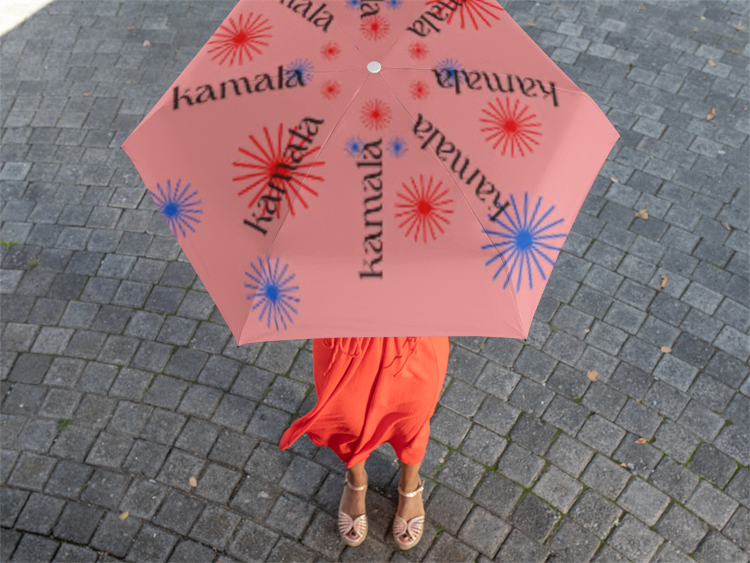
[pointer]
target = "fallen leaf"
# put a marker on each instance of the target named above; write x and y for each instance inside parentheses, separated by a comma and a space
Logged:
(662, 283)
(711, 114)
(745, 108)
(87, 93)
(711, 62)
(147, 43)
(193, 482)
(614, 179)
(641, 441)
(726, 225)
(642, 213)
(734, 52)
(592, 375)
(20, 406)
(695, 30)
(624, 465)
(128, 82)
(481, 346)
(131, 28)
(703, 17)
(124, 515)
(587, 330)
(666, 349)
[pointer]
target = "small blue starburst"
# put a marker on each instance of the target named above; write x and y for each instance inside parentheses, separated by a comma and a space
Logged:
(397, 147)
(178, 207)
(352, 4)
(524, 241)
(354, 146)
(394, 4)
(271, 292)
(303, 68)
(450, 68)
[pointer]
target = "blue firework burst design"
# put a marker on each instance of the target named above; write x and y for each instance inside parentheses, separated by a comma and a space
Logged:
(178, 207)
(524, 241)
(272, 292)
(302, 67)
(394, 4)
(450, 68)
(354, 146)
(397, 146)
(352, 4)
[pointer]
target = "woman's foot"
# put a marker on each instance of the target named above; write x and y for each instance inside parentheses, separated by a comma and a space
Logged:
(408, 524)
(409, 507)
(353, 502)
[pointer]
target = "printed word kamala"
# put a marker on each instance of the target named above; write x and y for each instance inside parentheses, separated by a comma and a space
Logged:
(269, 204)
(262, 83)
(319, 17)
(426, 131)
(437, 13)
(507, 84)
(371, 159)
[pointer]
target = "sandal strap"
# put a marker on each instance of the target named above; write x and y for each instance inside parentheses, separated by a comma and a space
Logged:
(419, 490)
(346, 481)
(347, 523)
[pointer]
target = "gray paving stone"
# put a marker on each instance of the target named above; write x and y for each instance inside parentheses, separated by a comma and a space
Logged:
(638, 457)
(459, 397)
(666, 400)
(595, 513)
(639, 419)
(700, 421)
(717, 548)
(643, 501)
(572, 543)
(558, 489)
(215, 526)
(520, 465)
(483, 531)
(447, 508)
(532, 433)
(534, 517)
(733, 441)
(738, 529)
(151, 543)
(497, 494)
(448, 548)
(710, 463)
(711, 504)
(682, 528)
(635, 540)
(39, 514)
(483, 445)
(605, 477)
(518, 547)
(601, 434)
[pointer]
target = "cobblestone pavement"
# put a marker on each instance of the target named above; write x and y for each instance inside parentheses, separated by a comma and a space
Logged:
(120, 380)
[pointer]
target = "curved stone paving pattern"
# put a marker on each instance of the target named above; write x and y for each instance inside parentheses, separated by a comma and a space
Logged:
(120, 379)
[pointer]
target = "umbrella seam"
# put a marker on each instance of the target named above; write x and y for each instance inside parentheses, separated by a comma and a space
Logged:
(322, 148)
(505, 264)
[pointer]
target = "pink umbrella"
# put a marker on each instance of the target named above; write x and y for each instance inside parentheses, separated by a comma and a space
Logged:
(371, 168)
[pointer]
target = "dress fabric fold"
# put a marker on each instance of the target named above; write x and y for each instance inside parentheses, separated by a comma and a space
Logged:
(371, 391)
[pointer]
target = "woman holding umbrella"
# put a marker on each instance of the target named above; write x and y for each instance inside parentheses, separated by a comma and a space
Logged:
(371, 391)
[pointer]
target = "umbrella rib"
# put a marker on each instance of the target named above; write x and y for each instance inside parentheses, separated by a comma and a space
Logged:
(505, 264)
(322, 148)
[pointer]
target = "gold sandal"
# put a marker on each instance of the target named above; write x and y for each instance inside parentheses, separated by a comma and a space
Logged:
(413, 528)
(347, 523)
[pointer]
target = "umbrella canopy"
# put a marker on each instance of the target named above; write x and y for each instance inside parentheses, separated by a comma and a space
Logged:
(371, 168)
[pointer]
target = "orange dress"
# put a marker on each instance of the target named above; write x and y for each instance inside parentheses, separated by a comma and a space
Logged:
(371, 391)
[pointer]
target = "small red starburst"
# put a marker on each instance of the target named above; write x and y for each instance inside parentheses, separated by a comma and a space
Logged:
(419, 90)
(272, 169)
(418, 50)
(423, 208)
(472, 9)
(510, 127)
(330, 89)
(234, 40)
(375, 27)
(375, 114)
(330, 51)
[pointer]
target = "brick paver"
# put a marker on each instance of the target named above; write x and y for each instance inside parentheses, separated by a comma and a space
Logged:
(120, 380)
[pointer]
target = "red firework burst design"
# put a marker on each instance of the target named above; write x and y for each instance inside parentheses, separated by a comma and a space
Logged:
(375, 27)
(375, 114)
(330, 51)
(510, 127)
(424, 208)
(235, 40)
(473, 10)
(330, 89)
(270, 165)
(418, 50)
(419, 90)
